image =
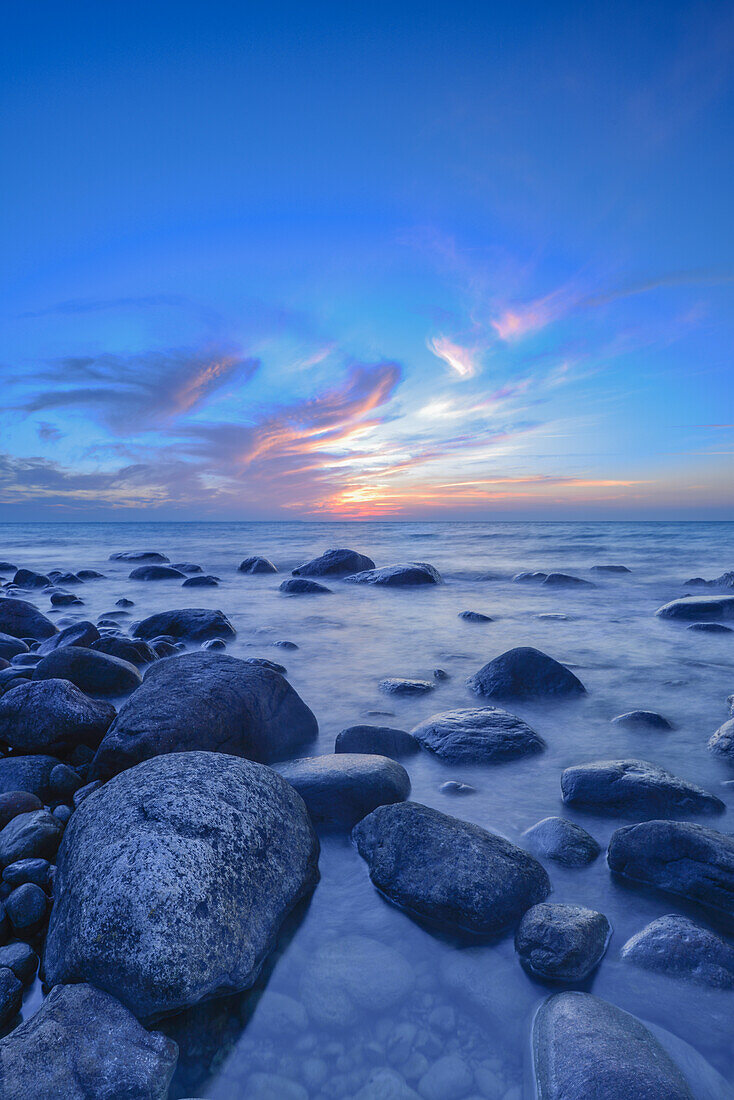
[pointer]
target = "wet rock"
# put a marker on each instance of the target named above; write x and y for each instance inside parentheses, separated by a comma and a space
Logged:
(352, 977)
(64, 781)
(475, 617)
(59, 576)
(485, 734)
(139, 555)
(82, 1043)
(722, 742)
(339, 790)
(584, 1047)
(284, 645)
(187, 567)
(524, 673)
(562, 943)
(448, 871)
(173, 880)
(26, 908)
(194, 624)
(8, 567)
(207, 700)
(11, 647)
(52, 716)
(205, 580)
(449, 1078)
(20, 619)
(30, 774)
(11, 677)
(725, 580)
(680, 948)
(80, 634)
(610, 569)
(711, 628)
(133, 650)
(27, 870)
(386, 1084)
(262, 662)
(84, 792)
(35, 835)
(89, 575)
(13, 803)
(124, 602)
(256, 565)
(395, 685)
(398, 576)
(565, 580)
(335, 563)
(441, 674)
(28, 578)
(25, 660)
(93, 672)
(453, 786)
(298, 586)
(529, 577)
(380, 740)
(21, 959)
(11, 996)
(635, 787)
(219, 643)
(156, 573)
(65, 599)
(562, 841)
(642, 718)
(681, 858)
(698, 608)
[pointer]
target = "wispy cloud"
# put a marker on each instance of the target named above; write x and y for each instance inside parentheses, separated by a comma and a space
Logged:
(463, 360)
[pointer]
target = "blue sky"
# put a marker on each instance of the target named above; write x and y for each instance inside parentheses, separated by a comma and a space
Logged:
(332, 260)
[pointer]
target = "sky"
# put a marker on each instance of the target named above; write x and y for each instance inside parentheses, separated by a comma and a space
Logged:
(373, 261)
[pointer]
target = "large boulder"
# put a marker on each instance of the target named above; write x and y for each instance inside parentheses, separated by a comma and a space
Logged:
(193, 624)
(82, 633)
(398, 576)
(524, 673)
(21, 619)
(339, 790)
(256, 565)
(28, 773)
(82, 1044)
(448, 871)
(91, 671)
(677, 946)
(52, 716)
(207, 700)
(483, 735)
(585, 1048)
(698, 608)
(28, 578)
(635, 787)
(563, 841)
(679, 857)
(562, 943)
(333, 563)
(379, 740)
(133, 650)
(642, 719)
(722, 742)
(156, 573)
(174, 878)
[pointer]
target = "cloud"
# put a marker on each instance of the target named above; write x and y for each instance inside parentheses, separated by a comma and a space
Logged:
(49, 433)
(463, 360)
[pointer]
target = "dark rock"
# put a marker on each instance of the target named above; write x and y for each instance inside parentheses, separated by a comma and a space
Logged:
(77, 634)
(11, 677)
(64, 781)
(8, 567)
(475, 617)
(219, 643)
(453, 786)
(487, 734)
(379, 740)
(27, 578)
(13, 803)
(339, 790)
(563, 943)
(722, 742)
(647, 718)
(563, 841)
(448, 871)
(335, 563)
(27, 870)
(52, 716)
(194, 624)
(353, 976)
(635, 787)
(65, 599)
(91, 671)
(711, 628)
(610, 569)
(584, 1047)
(677, 946)
(285, 645)
(440, 674)
(395, 685)
(299, 586)
(524, 673)
(263, 662)
(35, 835)
(565, 580)
(62, 813)
(25, 660)
(256, 565)
(398, 576)
(187, 567)
(30, 774)
(60, 577)
(11, 996)
(679, 857)
(85, 791)
(20, 619)
(89, 575)
(156, 573)
(698, 608)
(133, 650)
(726, 580)
(164, 649)
(26, 908)
(11, 647)
(173, 880)
(208, 701)
(21, 959)
(82, 1044)
(124, 602)
(203, 581)
(530, 577)
(139, 555)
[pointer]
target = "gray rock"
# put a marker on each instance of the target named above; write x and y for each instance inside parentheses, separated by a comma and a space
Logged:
(194, 624)
(396, 685)
(299, 586)
(203, 581)
(156, 573)
(722, 742)
(139, 555)
(11, 647)
(635, 787)
(64, 781)
(335, 563)
(678, 857)
(485, 734)
(448, 871)
(26, 908)
(35, 835)
(610, 569)
(21, 959)
(20, 619)
(646, 718)
(584, 1047)
(562, 943)
(353, 976)
(174, 878)
(449, 1078)
(27, 870)
(52, 716)
(91, 671)
(82, 1044)
(453, 786)
(565, 580)
(524, 673)
(207, 700)
(380, 740)
(386, 1084)
(31, 774)
(89, 574)
(256, 565)
(475, 617)
(28, 578)
(680, 948)
(528, 576)
(11, 996)
(187, 567)
(133, 650)
(13, 803)
(65, 599)
(698, 608)
(711, 628)
(339, 790)
(563, 841)
(725, 580)
(81, 633)
(398, 576)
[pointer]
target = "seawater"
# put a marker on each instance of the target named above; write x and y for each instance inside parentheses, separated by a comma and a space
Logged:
(343, 1020)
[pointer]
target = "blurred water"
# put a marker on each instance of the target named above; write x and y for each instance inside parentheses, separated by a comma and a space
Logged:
(471, 999)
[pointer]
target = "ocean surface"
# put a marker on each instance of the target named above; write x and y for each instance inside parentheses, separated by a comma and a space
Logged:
(472, 999)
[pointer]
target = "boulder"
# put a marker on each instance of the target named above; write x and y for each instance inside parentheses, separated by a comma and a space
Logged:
(725, 580)
(139, 555)
(396, 685)
(584, 1047)
(82, 633)
(565, 580)
(677, 946)
(398, 576)
(351, 977)
(711, 628)
(156, 573)
(203, 580)
(194, 624)
(174, 878)
(52, 716)
(448, 871)
(65, 599)
(26, 908)
(21, 959)
(94, 672)
(28, 774)
(89, 574)
(475, 617)
(562, 841)
(339, 790)
(187, 567)
(681, 858)
(334, 563)
(256, 565)
(482, 735)
(27, 870)
(20, 619)
(524, 673)
(35, 835)
(11, 997)
(13, 803)
(722, 742)
(698, 608)
(647, 719)
(528, 576)
(82, 1044)
(133, 650)
(635, 787)
(562, 943)
(380, 740)
(28, 578)
(299, 586)
(610, 569)
(11, 647)
(207, 700)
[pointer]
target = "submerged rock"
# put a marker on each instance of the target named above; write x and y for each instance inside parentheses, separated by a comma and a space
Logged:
(485, 734)
(156, 573)
(352, 977)
(299, 586)
(339, 790)
(379, 740)
(524, 673)
(194, 624)
(647, 718)
(20, 619)
(174, 878)
(722, 742)
(565, 580)
(448, 871)
(139, 555)
(83, 1044)
(396, 576)
(207, 700)
(698, 608)
(711, 628)
(635, 787)
(528, 576)
(677, 946)
(334, 563)
(52, 716)
(94, 672)
(203, 580)
(396, 685)
(475, 617)
(256, 565)
(610, 569)
(562, 943)
(725, 580)
(563, 841)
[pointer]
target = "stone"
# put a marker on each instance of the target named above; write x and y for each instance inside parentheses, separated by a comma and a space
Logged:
(187, 567)
(725, 580)
(482, 735)
(64, 781)
(351, 977)
(174, 879)
(642, 718)
(273, 1086)
(339, 790)
(635, 787)
(194, 624)
(610, 569)
(475, 617)
(207, 700)
(65, 599)
(27, 870)
(334, 563)
(680, 858)
(448, 871)
(529, 577)
(395, 685)
(21, 619)
(563, 943)
(677, 946)
(453, 786)
(11, 647)
(697, 608)
(31, 774)
(711, 628)
(93, 672)
(562, 841)
(89, 574)
(565, 580)
(28, 578)
(524, 673)
(35, 835)
(52, 716)
(299, 586)
(398, 576)
(81, 633)
(11, 996)
(133, 650)
(83, 1044)
(380, 740)
(449, 1078)
(21, 959)
(139, 555)
(256, 565)
(205, 580)
(156, 573)
(722, 742)
(26, 908)
(13, 803)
